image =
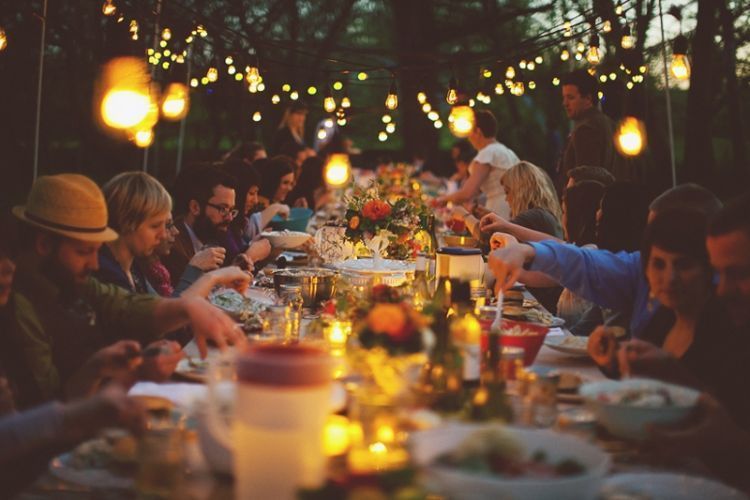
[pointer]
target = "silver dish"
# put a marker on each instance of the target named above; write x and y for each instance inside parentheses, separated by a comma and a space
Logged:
(317, 284)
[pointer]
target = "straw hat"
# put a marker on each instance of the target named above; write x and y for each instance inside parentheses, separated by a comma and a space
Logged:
(68, 204)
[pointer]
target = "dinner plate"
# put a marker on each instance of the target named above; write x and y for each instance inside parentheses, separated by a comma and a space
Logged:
(568, 344)
(666, 486)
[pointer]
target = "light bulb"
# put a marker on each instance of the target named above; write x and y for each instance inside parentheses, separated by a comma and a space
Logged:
(294, 95)
(311, 90)
(176, 102)
(338, 170)
(144, 138)
(337, 85)
(594, 55)
(253, 75)
(680, 66)
(193, 82)
(361, 76)
(390, 128)
(212, 74)
(257, 116)
(555, 81)
(627, 41)
(108, 8)
(630, 137)
(341, 122)
(580, 47)
(426, 107)
(386, 118)
(499, 89)
(452, 96)
(564, 55)
(607, 26)
(487, 73)
(510, 73)
(433, 115)
(346, 103)
(275, 99)
(329, 104)
(539, 59)
(166, 34)
(125, 108)
(382, 136)
(391, 100)
(438, 124)
(461, 121)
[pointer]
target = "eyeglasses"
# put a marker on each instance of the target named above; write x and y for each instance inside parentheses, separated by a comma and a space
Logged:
(224, 211)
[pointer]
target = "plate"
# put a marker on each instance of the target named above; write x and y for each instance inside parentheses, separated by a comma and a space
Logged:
(286, 239)
(385, 266)
(666, 486)
(568, 344)
(93, 464)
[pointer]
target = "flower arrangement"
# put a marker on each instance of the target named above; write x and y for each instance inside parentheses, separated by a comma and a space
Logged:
(387, 228)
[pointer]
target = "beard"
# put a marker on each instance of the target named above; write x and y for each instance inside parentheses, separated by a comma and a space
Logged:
(66, 280)
(207, 231)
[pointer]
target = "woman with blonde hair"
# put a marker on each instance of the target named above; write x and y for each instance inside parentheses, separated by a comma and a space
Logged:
(532, 198)
(291, 128)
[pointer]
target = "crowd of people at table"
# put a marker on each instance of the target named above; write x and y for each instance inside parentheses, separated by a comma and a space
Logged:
(102, 286)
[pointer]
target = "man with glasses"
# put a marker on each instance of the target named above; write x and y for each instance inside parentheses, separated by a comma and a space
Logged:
(204, 208)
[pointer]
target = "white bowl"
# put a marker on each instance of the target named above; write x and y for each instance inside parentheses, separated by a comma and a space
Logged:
(456, 484)
(286, 239)
(628, 421)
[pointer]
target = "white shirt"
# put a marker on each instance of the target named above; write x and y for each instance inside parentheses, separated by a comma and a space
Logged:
(500, 158)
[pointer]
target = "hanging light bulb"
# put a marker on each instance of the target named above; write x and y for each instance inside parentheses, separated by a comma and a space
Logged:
(594, 54)
(518, 89)
(618, 8)
(329, 103)
(3, 40)
(680, 66)
(382, 136)
(108, 8)
(522, 64)
(630, 138)
(275, 99)
(338, 170)
(568, 26)
(499, 88)
(391, 100)
(461, 120)
(421, 97)
(253, 75)
(144, 138)
(390, 128)
(257, 116)
(312, 90)
(486, 73)
(338, 85)
(555, 81)
(607, 26)
(127, 101)
(426, 107)
(627, 41)
(212, 74)
(341, 122)
(386, 118)
(452, 96)
(133, 29)
(564, 55)
(176, 101)
(346, 103)
(510, 73)
(166, 34)
(580, 47)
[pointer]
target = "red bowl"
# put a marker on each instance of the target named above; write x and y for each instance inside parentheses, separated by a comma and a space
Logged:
(531, 342)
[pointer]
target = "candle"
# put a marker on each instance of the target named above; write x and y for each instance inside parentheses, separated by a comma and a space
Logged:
(337, 333)
(377, 457)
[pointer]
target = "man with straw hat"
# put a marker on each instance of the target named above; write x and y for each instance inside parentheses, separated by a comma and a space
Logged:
(68, 314)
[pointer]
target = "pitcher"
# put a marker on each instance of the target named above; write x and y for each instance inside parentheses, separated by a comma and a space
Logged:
(282, 400)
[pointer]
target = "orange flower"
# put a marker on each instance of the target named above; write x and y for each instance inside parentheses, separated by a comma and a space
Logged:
(354, 222)
(376, 210)
(387, 318)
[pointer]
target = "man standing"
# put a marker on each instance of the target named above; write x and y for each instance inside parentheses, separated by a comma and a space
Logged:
(63, 315)
(206, 207)
(488, 167)
(590, 142)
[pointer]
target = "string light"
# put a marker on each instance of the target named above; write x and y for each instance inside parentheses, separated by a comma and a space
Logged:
(238, 77)
(607, 26)
(594, 54)
(127, 102)
(487, 73)
(382, 136)
(275, 99)
(680, 66)
(627, 41)
(257, 116)
(346, 103)
(194, 82)
(518, 89)
(212, 74)
(421, 97)
(532, 85)
(311, 90)
(564, 55)
(386, 118)
(337, 85)
(253, 75)
(391, 100)
(3, 40)
(341, 122)
(438, 124)
(630, 138)
(361, 76)
(231, 70)
(286, 87)
(144, 138)
(539, 59)
(618, 8)
(229, 60)
(568, 29)
(555, 81)
(510, 73)
(329, 103)
(499, 89)
(108, 8)
(452, 96)
(531, 65)
(166, 34)
(133, 28)
(433, 115)
(580, 47)
(461, 121)
(204, 80)
(338, 169)
(176, 102)
(521, 64)
(426, 107)
(390, 128)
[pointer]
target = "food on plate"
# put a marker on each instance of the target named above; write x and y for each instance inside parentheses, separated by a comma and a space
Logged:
(529, 314)
(495, 452)
(574, 342)
(649, 397)
(238, 306)
(113, 448)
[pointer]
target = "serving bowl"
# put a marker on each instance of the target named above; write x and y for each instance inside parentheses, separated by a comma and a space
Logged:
(297, 220)
(317, 284)
(531, 340)
(454, 240)
(630, 421)
(427, 446)
(286, 239)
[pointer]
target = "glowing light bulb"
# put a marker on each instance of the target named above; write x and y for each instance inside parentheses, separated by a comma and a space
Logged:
(433, 115)
(426, 107)
(386, 118)
(391, 100)
(253, 75)
(338, 170)
(228, 60)
(568, 26)
(294, 95)
(594, 55)
(275, 99)
(438, 124)
(166, 34)
(487, 73)
(231, 70)
(124, 109)
(461, 121)
(108, 8)
(329, 103)
(680, 66)
(499, 89)
(627, 41)
(564, 55)
(555, 81)
(286, 87)
(421, 97)
(539, 59)
(452, 96)
(212, 74)
(382, 136)
(341, 122)
(531, 65)
(361, 76)
(257, 116)
(510, 73)
(337, 85)
(144, 138)
(311, 90)
(607, 26)
(518, 89)
(630, 138)
(346, 103)
(322, 134)
(176, 102)
(194, 82)
(390, 128)
(580, 47)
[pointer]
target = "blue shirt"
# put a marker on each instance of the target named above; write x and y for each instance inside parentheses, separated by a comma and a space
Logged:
(610, 280)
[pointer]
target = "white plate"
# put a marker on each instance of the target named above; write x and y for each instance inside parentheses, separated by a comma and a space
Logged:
(386, 266)
(61, 467)
(665, 486)
(569, 344)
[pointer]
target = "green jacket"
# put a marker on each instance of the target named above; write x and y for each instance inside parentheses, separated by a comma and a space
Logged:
(58, 330)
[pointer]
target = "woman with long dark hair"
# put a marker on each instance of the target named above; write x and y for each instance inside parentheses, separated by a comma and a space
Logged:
(276, 179)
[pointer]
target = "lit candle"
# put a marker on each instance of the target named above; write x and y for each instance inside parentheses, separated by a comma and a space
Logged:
(337, 333)
(377, 457)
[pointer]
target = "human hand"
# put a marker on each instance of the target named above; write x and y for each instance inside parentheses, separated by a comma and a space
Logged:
(232, 277)
(109, 407)
(507, 263)
(492, 223)
(160, 360)
(501, 240)
(119, 360)
(637, 357)
(280, 209)
(258, 250)
(209, 259)
(209, 323)
(243, 262)
(602, 347)
(480, 211)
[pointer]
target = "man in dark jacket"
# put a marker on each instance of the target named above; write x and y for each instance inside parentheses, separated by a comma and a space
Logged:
(590, 142)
